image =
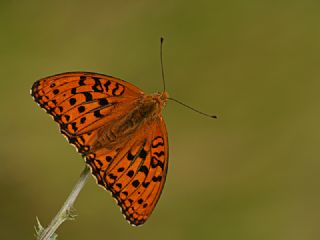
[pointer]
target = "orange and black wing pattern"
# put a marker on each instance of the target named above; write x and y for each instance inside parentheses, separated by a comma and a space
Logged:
(135, 173)
(82, 102)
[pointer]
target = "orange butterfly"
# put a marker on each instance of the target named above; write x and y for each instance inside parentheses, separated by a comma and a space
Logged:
(118, 129)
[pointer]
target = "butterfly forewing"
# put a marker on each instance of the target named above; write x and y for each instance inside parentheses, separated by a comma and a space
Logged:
(85, 104)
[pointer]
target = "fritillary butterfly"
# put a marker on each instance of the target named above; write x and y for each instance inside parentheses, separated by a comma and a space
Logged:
(118, 129)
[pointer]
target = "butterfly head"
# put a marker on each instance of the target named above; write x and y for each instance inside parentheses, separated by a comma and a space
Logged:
(161, 98)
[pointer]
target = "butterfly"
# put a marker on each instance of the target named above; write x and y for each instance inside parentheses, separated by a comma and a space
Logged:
(118, 129)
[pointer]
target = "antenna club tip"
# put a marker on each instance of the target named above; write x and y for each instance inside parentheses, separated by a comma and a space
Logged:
(214, 116)
(161, 39)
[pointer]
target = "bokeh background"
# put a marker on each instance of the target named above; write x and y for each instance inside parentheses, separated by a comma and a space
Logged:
(251, 174)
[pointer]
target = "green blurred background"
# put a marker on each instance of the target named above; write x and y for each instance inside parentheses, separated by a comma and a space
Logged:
(251, 174)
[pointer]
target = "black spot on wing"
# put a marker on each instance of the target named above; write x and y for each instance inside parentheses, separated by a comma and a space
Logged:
(98, 162)
(135, 183)
(108, 158)
(106, 85)
(130, 156)
(130, 173)
(72, 101)
(115, 90)
(160, 143)
(66, 117)
(143, 153)
(57, 118)
(103, 102)
(74, 126)
(81, 81)
(88, 96)
(156, 179)
(155, 162)
(144, 169)
(81, 109)
(159, 154)
(97, 87)
(97, 114)
(113, 177)
(82, 120)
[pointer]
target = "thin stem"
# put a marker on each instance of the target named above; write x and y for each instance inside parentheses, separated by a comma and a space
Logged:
(65, 212)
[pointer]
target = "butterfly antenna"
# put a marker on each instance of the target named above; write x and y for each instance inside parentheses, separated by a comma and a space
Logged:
(193, 109)
(161, 61)
(164, 86)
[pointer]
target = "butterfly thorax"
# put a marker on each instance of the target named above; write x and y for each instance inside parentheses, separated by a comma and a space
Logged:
(119, 131)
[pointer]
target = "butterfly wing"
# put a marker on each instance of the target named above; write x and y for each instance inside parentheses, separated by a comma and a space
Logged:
(82, 102)
(135, 173)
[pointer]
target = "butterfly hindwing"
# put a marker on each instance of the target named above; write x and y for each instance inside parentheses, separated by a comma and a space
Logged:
(135, 174)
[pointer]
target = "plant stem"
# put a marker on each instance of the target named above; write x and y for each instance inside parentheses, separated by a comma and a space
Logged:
(65, 212)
